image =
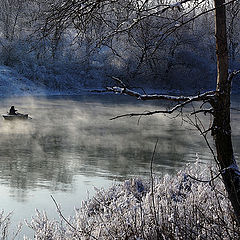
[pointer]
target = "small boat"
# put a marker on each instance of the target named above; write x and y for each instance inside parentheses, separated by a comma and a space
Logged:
(18, 116)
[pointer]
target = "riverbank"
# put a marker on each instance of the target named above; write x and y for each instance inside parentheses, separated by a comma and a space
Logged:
(14, 84)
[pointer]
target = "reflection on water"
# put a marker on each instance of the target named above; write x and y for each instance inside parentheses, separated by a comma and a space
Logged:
(68, 137)
(71, 138)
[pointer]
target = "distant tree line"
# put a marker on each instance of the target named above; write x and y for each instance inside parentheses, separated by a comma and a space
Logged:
(114, 39)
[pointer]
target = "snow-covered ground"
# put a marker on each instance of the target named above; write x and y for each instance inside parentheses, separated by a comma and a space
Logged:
(14, 84)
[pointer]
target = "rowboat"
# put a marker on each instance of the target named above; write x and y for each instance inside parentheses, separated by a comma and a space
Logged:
(18, 116)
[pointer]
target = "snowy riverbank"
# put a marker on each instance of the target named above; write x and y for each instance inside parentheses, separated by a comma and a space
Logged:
(14, 84)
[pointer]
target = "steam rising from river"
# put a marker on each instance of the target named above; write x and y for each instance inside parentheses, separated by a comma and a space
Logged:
(74, 136)
(70, 144)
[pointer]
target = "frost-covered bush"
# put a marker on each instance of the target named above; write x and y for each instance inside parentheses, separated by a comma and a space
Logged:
(5, 222)
(170, 207)
(4, 225)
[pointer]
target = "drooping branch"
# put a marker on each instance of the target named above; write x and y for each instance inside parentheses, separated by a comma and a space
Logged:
(185, 101)
(77, 231)
(126, 91)
(205, 97)
(205, 181)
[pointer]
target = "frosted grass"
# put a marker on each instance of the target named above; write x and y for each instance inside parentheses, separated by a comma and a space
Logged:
(177, 208)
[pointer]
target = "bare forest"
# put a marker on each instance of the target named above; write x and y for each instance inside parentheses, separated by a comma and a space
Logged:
(151, 44)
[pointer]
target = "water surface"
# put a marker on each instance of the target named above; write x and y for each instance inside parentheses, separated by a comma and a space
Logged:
(70, 145)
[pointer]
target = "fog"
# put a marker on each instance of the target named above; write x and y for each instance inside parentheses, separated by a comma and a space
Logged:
(70, 136)
(70, 145)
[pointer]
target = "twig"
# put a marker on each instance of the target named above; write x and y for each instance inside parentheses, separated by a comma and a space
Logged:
(151, 164)
(232, 75)
(61, 215)
(203, 133)
(236, 109)
(166, 97)
(206, 131)
(121, 83)
(127, 91)
(99, 90)
(138, 122)
(152, 191)
(204, 181)
(206, 96)
(17, 232)
(204, 111)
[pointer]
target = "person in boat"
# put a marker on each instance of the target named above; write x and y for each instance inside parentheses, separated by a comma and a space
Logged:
(12, 111)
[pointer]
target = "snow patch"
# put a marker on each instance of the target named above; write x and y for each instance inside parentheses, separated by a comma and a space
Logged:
(13, 84)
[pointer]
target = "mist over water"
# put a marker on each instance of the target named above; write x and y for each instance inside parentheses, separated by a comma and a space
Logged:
(70, 145)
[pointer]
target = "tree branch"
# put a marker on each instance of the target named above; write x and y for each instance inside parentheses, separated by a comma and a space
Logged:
(77, 231)
(126, 91)
(204, 181)
(204, 96)
(204, 111)
(235, 109)
(232, 75)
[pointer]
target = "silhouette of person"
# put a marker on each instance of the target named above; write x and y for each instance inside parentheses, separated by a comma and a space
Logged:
(12, 111)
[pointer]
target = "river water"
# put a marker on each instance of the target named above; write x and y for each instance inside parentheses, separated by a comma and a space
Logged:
(70, 146)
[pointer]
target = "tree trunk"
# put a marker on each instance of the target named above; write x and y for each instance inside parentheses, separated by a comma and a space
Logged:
(221, 126)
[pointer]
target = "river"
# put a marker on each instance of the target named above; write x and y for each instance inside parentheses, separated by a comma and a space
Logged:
(70, 147)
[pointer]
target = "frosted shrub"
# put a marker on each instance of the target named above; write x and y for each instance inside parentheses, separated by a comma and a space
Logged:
(4, 225)
(5, 222)
(171, 207)
(45, 228)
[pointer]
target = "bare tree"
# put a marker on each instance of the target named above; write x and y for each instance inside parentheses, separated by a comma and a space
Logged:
(173, 17)
(233, 16)
(11, 20)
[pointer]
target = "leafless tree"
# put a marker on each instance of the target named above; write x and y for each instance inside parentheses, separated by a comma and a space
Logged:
(138, 14)
(233, 16)
(11, 21)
